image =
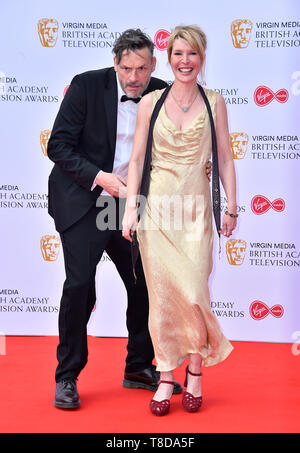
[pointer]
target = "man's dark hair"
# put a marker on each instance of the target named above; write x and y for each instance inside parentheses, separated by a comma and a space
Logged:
(132, 39)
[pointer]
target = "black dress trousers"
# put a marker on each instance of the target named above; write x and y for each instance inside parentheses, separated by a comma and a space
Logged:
(83, 245)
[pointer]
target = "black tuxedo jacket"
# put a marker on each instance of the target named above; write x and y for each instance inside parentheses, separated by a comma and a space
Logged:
(83, 142)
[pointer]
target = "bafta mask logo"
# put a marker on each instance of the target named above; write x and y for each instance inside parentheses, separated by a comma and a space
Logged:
(239, 144)
(241, 33)
(48, 32)
(236, 251)
(50, 245)
(44, 138)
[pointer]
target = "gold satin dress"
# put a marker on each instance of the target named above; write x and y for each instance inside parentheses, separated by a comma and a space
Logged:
(175, 236)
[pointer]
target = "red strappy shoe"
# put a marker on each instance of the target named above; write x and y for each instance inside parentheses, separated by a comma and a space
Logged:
(190, 402)
(160, 408)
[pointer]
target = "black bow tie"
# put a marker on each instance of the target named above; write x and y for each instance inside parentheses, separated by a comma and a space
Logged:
(125, 98)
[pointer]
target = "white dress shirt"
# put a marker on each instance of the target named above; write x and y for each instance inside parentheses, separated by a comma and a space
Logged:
(126, 122)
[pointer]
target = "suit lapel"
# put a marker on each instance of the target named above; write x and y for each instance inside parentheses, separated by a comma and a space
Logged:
(111, 107)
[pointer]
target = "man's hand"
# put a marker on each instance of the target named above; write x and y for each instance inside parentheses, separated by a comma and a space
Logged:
(208, 169)
(113, 184)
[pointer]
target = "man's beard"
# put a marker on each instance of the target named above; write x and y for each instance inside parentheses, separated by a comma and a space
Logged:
(143, 88)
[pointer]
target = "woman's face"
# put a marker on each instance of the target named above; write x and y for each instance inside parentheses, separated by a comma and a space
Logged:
(185, 61)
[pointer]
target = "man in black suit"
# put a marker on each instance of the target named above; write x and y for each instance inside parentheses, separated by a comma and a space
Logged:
(90, 145)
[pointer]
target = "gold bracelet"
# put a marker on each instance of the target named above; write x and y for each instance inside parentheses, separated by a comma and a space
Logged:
(230, 214)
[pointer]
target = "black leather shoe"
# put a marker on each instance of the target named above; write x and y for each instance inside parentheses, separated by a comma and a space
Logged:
(66, 394)
(146, 379)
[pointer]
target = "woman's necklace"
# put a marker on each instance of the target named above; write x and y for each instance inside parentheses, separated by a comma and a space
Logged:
(184, 108)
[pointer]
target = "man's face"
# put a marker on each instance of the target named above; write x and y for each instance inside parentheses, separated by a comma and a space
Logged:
(134, 71)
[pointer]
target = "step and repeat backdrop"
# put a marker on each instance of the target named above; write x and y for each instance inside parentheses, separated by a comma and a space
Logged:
(253, 60)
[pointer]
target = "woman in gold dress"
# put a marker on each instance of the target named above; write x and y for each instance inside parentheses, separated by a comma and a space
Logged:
(175, 233)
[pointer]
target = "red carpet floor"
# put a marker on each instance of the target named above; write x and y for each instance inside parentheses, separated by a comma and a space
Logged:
(256, 390)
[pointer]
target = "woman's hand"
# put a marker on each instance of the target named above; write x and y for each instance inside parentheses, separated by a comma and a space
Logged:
(129, 223)
(228, 225)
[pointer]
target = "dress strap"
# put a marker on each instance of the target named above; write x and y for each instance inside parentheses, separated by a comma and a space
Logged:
(215, 174)
(146, 175)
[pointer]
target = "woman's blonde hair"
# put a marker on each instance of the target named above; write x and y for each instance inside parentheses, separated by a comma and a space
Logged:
(194, 36)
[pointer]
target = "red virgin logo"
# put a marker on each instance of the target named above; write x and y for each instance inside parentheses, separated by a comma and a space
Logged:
(260, 204)
(259, 310)
(264, 95)
(66, 89)
(161, 39)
